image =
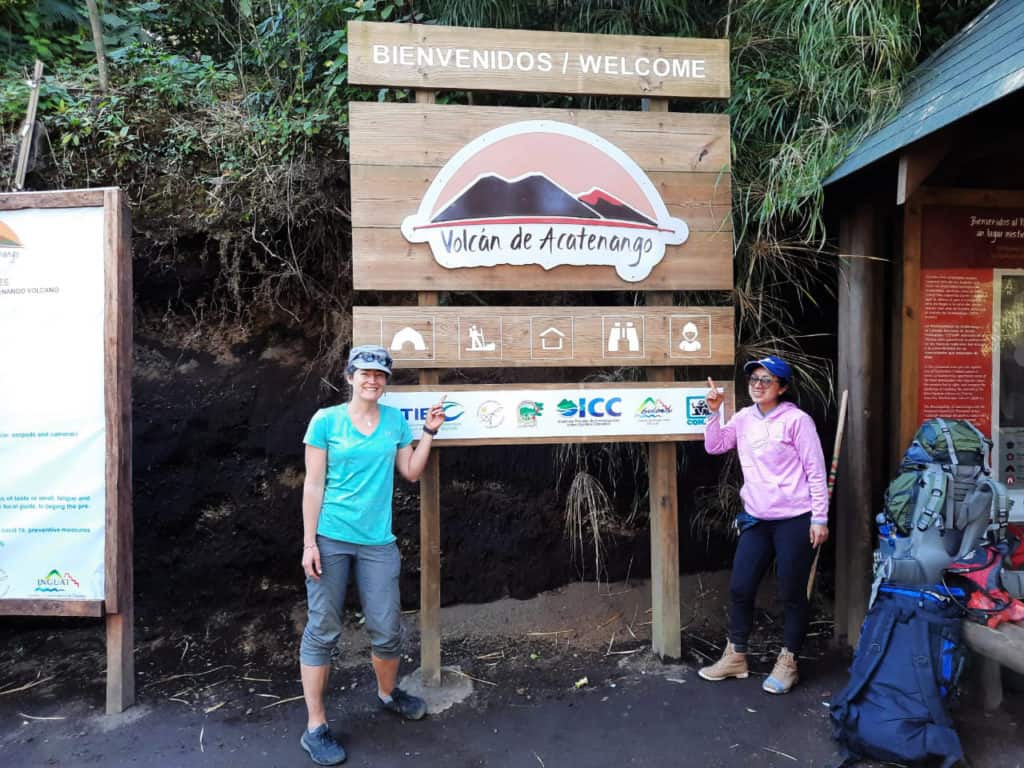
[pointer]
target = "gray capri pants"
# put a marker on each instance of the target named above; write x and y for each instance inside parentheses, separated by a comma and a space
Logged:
(377, 570)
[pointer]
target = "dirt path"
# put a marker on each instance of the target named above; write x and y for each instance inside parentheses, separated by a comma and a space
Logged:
(564, 679)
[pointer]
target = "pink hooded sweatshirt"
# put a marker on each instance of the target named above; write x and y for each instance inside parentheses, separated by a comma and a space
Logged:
(783, 464)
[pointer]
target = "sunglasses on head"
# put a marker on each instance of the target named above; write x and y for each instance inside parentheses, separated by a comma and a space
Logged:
(368, 356)
(764, 381)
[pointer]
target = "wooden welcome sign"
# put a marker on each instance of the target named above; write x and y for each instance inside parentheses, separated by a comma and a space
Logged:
(467, 198)
(493, 198)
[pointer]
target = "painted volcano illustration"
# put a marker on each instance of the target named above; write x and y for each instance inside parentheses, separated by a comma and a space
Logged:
(546, 193)
(7, 237)
(531, 199)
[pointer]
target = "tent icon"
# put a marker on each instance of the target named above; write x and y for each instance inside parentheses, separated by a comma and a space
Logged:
(408, 336)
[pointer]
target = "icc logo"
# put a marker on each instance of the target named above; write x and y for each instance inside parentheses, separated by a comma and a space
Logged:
(596, 407)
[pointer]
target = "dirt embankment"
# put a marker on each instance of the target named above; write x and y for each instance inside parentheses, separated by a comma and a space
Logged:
(218, 474)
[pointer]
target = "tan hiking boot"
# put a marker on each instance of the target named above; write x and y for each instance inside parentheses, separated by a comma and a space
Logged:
(784, 675)
(732, 664)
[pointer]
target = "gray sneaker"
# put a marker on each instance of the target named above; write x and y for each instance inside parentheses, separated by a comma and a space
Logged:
(323, 749)
(406, 705)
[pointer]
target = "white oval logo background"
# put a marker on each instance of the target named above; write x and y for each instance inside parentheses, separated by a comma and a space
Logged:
(547, 193)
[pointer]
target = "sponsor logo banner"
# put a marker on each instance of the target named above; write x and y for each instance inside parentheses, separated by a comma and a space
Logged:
(560, 412)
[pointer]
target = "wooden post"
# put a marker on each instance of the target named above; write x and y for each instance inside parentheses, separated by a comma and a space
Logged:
(861, 371)
(96, 23)
(119, 571)
(664, 512)
(910, 328)
(430, 527)
(664, 509)
(27, 130)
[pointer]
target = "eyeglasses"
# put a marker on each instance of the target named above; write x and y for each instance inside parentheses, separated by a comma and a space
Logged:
(369, 356)
(764, 381)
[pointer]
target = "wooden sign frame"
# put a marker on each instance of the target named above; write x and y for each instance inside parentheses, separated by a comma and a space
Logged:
(117, 608)
(400, 150)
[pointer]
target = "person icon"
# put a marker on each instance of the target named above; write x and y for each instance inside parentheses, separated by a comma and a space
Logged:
(690, 342)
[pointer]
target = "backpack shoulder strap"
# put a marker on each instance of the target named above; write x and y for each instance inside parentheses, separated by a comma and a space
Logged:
(1001, 503)
(950, 446)
(936, 486)
(985, 444)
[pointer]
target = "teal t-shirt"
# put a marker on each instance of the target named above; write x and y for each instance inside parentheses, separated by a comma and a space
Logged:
(360, 473)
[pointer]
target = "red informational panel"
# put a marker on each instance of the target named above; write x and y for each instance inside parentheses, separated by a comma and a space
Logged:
(961, 246)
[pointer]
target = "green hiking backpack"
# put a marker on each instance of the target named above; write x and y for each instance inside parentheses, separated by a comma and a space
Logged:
(941, 503)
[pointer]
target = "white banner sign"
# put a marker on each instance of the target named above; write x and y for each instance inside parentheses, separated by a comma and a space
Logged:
(52, 425)
(489, 414)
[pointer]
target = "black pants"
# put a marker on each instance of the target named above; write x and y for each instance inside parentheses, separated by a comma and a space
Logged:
(788, 541)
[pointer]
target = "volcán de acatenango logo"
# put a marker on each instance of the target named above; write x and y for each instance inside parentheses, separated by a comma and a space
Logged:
(547, 193)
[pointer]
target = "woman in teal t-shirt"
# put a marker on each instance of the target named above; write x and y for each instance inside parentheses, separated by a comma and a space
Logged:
(352, 451)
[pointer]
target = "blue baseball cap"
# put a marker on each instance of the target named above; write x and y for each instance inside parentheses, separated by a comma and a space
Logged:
(774, 364)
(370, 356)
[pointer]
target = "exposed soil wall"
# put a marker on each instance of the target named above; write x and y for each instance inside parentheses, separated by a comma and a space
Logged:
(218, 474)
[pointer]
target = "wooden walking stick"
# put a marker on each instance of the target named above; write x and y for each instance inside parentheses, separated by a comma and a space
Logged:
(831, 480)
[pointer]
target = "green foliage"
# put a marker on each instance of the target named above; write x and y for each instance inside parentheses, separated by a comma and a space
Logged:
(48, 30)
(231, 138)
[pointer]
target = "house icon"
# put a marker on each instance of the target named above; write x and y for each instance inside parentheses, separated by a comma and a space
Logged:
(551, 339)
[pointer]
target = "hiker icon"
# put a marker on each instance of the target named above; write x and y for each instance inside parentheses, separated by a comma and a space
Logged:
(477, 341)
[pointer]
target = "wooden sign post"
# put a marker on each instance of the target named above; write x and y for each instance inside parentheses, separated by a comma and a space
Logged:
(45, 483)
(466, 198)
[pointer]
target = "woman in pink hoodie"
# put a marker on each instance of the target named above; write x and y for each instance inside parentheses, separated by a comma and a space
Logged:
(785, 512)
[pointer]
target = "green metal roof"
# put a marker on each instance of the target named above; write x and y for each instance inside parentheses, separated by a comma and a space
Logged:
(981, 64)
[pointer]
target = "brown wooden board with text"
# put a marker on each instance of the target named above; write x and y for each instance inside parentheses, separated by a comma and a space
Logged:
(495, 337)
(398, 151)
(429, 56)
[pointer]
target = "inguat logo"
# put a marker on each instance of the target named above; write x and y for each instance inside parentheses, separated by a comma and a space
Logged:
(55, 581)
(547, 193)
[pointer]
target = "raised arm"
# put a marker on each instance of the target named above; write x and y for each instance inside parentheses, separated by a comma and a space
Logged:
(718, 438)
(410, 462)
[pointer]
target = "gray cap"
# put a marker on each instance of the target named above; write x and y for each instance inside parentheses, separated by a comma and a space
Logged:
(370, 356)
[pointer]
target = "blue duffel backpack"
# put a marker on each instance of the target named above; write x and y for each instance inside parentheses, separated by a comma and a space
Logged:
(903, 679)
